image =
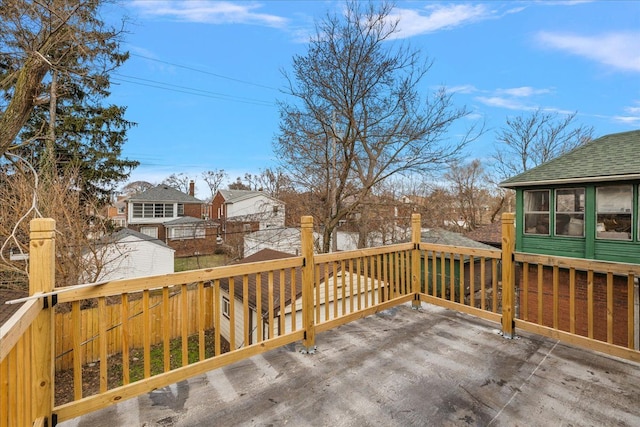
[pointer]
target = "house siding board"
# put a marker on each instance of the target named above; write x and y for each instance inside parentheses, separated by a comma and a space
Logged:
(570, 247)
(588, 246)
(238, 310)
(617, 251)
(281, 240)
(258, 208)
(134, 257)
(248, 206)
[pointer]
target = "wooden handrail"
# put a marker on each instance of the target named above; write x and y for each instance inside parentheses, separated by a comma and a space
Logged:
(579, 263)
(18, 323)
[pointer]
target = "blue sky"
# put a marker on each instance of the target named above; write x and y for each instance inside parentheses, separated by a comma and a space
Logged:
(204, 76)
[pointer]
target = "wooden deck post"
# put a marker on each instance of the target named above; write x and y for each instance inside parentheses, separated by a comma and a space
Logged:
(415, 260)
(508, 274)
(42, 279)
(307, 285)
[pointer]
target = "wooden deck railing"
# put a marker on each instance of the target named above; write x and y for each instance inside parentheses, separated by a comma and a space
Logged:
(584, 302)
(150, 332)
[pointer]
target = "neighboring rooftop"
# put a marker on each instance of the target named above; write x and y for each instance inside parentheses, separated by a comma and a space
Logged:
(267, 255)
(611, 157)
(490, 234)
(233, 196)
(123, 233)
(440, 236)
(400, 367)
(164, 193)
(189, 220)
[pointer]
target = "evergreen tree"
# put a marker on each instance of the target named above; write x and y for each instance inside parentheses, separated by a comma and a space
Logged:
(55, 60)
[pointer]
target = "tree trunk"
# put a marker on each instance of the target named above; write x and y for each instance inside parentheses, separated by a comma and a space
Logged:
(23, 100)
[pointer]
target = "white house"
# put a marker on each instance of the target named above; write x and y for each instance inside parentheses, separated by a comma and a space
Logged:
(279, 239)
(339, 292)
(248, 206)
(128, 253)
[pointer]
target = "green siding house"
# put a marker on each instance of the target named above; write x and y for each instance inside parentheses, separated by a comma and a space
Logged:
(583, 204)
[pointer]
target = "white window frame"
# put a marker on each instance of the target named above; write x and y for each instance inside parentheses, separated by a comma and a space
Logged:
(186, 232)
(574, 227)
(152, 210)
(531, 225)
(150, 231)
(610, 210)
(226, 307)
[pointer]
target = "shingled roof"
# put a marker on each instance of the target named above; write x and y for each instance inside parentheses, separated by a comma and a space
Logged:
(444, 237)
(233, 196)
(269, 255)
(612, 157)
(490, 234)
(164, 193)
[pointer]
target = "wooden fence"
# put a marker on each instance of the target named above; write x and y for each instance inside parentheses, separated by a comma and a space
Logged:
(262, 306)
(164, 305)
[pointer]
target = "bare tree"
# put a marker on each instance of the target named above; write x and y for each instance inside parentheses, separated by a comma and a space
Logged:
(214, 180)
(80, 255)
(178, 181)
(239, 185)
(272, 181)
(470, 199)
(136, 187)
(532, 139)
(49, 38)
(358, 117)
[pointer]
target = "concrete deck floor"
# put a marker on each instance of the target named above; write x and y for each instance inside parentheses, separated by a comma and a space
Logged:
(401, 367)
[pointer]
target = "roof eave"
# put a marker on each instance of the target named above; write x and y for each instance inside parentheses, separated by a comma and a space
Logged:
(609, 178)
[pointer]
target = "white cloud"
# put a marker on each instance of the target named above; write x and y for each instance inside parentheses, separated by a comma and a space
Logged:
(563, 2)
(502, 102)
(633, 110)
(631, 116)
(515, 98)
(523, 91)
(616, 49)
(630, 120)
(413, 22)
(462, 89)
(218, 12)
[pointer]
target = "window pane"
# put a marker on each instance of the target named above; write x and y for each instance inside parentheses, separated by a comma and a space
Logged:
(148, 210)
(613, 212)
(168, 210)
(536, 212)
(159, 210)
(150, 231)
(570, 212)
(137, 210)
(180, 209)
(225, 307)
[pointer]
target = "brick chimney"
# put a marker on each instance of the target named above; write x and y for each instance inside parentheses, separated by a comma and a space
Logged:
(192, 188)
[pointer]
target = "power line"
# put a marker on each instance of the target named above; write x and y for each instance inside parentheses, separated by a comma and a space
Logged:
(188, 90)
(205, 72)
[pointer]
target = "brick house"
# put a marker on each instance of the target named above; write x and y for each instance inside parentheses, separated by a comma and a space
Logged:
(583, 204)
(176, 218)
(117, 212)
